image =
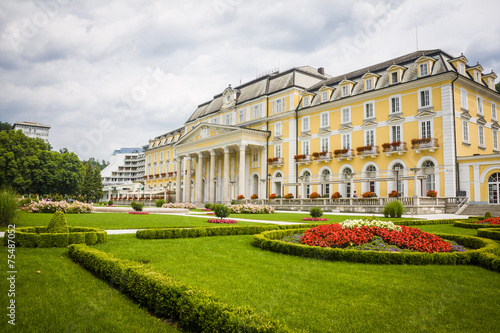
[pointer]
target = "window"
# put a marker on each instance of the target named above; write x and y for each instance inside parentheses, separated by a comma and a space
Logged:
(256, 111)
(305, 102)
(278, 106)
(228, 119)
(395, 104)
(168, 155)
(465, 130)
(161, 156)
(371, 172)
(345, 91)
(255, 156)
(479, 105)
(430, 181)
(424, 69)
(346, 141)
(277, 150)
(426, 129)
(394, 77)
(369, 84)
(175, 167)
(396, 133)
(242, 116)
(305, 124)
(478, 77)
(156, 155)
(277, 129)
(305, 147)
(325, 144)
(325, 120)
(215, 120)
(397, 169)
(463, 99)
(370, 137)
(461, 69)
(425, 98)
(495, 139)
(369, 110)
(494, 188)
(481, 135)
(493, 111)
(324, 96)
(346, 115)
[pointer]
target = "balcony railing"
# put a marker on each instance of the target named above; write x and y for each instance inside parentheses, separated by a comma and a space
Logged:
(394, 148)
(276, 162)
(342, 154)
(303, 159)
(323, 157)
(430, 144)
(373, 151)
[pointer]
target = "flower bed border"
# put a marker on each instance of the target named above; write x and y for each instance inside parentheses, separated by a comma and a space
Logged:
(315, 219)
(36, 237)
(485, 252)
(472, 225)
(139, 213)
(222, 221)
(491, 233)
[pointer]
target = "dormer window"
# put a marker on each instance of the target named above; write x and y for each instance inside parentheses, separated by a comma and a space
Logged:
(394, 77)
(345, 91)
(424, 69)
(461, 68)
(324, 96)
(369, 84)
(305, 102)
(478, 77)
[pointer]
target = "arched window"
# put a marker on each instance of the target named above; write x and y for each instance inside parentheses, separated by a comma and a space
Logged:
(346, 175)
(371, 173)
(277, 184)
(397, 170)
(325, 177)
(430, 181)
(307, 178)
(494, 188)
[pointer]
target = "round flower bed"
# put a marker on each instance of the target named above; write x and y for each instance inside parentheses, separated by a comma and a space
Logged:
(45, 206)
(139, 213)
(225, 221)
(314, 219)
(490, 221)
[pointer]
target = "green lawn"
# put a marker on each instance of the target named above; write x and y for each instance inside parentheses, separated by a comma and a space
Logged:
(66, 298)
(324, 296)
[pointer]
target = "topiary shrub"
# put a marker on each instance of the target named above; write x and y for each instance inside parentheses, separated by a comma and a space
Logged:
(487, 215)
(316, 212)
(221, 210)
(8, 207)
(136, 206)
(159, 203)
(110, 203)
(393, 209)
(208, 205)
(58, 224)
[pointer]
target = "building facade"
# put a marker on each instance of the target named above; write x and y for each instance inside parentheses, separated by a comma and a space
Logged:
(418, 125)
(33, 130)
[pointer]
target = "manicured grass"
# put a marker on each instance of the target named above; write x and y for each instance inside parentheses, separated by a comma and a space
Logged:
(118, 220)
(325, 296)
(65, 298)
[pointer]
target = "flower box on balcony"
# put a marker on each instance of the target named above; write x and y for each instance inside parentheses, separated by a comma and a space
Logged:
(394, 147)
(323, 156)
(369, 150)
(306, 159)
(430, 144)
(341, 154)
(275, 161)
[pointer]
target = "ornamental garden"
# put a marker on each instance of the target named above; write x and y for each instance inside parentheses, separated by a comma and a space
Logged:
(245, 272)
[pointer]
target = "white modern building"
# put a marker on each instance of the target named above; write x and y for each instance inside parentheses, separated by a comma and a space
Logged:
(124, 175)
(33, 130)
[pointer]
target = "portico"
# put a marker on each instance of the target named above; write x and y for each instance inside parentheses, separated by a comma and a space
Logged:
(215, 157)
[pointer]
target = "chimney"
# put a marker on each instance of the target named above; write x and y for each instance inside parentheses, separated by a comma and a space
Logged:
(321, 70)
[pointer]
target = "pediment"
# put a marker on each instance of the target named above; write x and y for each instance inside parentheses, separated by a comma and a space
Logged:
(205, 130)
(369, 123)
(396, 118)
(481, 120)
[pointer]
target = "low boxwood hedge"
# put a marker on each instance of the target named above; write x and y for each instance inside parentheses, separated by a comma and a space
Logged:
(485, 252)
(469, 224)
(38, 237)
(195, 310)
(491, 233)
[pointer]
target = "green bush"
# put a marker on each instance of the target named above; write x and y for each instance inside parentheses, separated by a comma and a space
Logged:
(316, 212)
(221, 211)
(393, 209)
(57, 224)
(487, 215)
(469, 224)
(159, 203)
(208, 205)
(491, 233)
(195, 310)
(8, 207)
(110, 203)
(39, 237)
(137, 206)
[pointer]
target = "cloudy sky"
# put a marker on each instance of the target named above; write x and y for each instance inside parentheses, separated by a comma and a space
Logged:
(111, 74)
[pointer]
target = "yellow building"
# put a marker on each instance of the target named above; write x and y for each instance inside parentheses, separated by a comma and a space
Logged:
(415, 124)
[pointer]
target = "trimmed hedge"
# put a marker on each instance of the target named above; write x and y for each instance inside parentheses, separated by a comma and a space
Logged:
(195, 310)
(485, 253)
(491, 233)
(472, 225)
(38, 237)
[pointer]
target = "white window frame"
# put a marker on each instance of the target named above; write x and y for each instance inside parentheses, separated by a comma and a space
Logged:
(247, 114)
(420, 100)
(478, 77)
(429, 128)
(168, 155)
(306, 124)
(241, 115)
(325, 120)
(346, 111)
(228, 119)
(480, 132)
(278, 129)
(324, 96)
(421, 68)
(306, 147)
(345, 90)
(369, 109)
(277, 150)
(463, 99)
(493, 111)
(305, 101)
(480, 105)
(255, 156)
(278, 105)
(461, 68)
(397, 77)
(392, 99)
(325, 144)
(370, 138)
(369, 84)
(346, 141)
(161, 156)
(465, 130)
(495, 139)
(397, 128)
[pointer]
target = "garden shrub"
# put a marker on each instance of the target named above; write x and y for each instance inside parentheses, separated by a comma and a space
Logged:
(137, 206)
(208, 205)
(39, 237)
(44, 206)
(57, 224)
(491, 233)
(159, 203)
(393, 209)
(195, 310)
(8, 206)
(221, 211)
(110, 203)
(316, 212)
(487, 215)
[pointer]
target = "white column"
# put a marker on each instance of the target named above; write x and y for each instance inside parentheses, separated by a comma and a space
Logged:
(199, 179)
(242, 168)
(187, 179)
(225, 187)
(211, 184)
(178, 180)
(263, 173)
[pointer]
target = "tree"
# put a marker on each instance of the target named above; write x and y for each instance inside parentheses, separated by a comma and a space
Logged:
(70, 173)
(5, 126)
(97, 183)
(497, 87)
(88, 179)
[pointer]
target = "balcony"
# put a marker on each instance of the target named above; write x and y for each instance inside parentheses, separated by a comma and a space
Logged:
(324, 156)
(275, 162)
(303, 159)
(368, 151)
(343, 154)
(396, 147)
(430, 144)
